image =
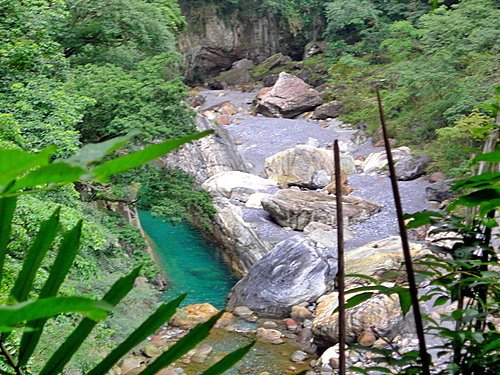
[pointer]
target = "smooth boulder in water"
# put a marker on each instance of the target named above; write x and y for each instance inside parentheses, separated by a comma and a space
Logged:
(294, 271)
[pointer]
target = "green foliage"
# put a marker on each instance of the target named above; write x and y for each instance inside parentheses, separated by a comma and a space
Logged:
(463, 277)
(147, 98)
(25, 316)
(117, 31)
(170, 193)
(437, 65)
(450, 150)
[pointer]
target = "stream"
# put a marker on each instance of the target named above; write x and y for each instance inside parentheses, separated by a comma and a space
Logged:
(189, 262)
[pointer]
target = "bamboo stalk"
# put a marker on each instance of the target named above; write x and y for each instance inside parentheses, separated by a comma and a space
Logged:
(424, 356)
(340, 257)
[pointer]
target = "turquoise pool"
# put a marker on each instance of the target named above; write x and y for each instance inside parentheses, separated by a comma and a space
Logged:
(190, 263)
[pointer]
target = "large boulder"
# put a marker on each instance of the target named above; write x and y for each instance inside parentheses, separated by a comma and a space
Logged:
(439, 191)
(380, 312)
(377, 259)
(243, 64)
(298, 165)
(328, 110)
(377, 162)
(294, 271)
(223, 184)
(289, 97)
(231, 78)
(410, 167)
(296, 209)
(274, 61)
(241, 245)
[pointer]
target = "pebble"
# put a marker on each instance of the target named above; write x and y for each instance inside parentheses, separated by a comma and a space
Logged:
(269, 324)
(366, 339)
(300, 313)
(268, 334)
(291, 324)
(298, 356)
(242, 311)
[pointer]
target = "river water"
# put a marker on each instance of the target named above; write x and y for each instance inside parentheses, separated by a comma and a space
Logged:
(190, 263)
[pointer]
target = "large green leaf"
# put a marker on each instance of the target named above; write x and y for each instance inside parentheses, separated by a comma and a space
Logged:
(7, 208)
(95, 152)
(228, 361)
(43, 240)
(480, 181)
(13, 315)
(356, 300)
(160, 316)
(488, 197)
(491, 157)
(63, 354)
(418, 219)
(55, 173)
(404, 300)
(67, 253)
(181, 347)
(14, 163)
(123, 163)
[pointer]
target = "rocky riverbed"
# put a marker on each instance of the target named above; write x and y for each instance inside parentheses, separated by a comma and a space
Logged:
(271, 183)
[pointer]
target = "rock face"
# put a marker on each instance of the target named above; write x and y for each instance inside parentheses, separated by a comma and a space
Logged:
(241, 245)
(377, 161)
(223, 184)
(381, 312)
(216, 38)
(207, 156)
(294, 271)
(296, 209)
(298, 165)
(289, 97)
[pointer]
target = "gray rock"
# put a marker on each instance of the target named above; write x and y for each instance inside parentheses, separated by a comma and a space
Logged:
(225, 183)
(289, 97)
(296, 209)
(208, 156)
(328, 110)
(298, 356)
(293, 272)
(297, 165)
(241, 246)
(377, 161)
(242, 311)
(410, 167)
(278, 59)
(439, 191)
(270, 80)
(243, 64)
(231, 78)
(314, 48)
(320, 179)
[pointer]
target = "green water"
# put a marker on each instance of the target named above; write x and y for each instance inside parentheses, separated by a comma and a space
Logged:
(189, 261)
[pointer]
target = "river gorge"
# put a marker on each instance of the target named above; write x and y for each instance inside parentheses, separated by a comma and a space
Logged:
(286, 261)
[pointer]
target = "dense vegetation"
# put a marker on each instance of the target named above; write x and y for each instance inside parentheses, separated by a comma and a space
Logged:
(74, 72)
(438, 60)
